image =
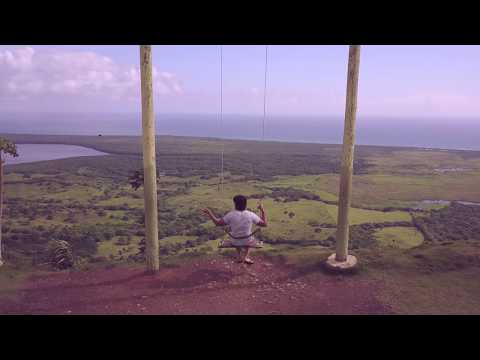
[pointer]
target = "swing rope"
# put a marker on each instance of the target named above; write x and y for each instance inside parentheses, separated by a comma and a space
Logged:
(222, 152)
(265, 94)
(223, 243)
(221, 120)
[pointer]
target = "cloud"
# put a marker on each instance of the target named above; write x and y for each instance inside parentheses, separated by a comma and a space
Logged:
(26, 72)
(19, 59)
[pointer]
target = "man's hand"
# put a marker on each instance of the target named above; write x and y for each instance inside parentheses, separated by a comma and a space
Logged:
(260, 206)
(211, 215)
(263, 216)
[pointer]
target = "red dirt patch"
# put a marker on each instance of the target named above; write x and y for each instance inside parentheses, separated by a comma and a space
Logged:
(218, 286)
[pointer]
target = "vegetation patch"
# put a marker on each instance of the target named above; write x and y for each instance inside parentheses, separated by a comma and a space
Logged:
(453, 223)
(399, 237)
(429, 279)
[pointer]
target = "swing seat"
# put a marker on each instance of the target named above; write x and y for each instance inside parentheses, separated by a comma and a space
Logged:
(227, 241)
(228, 244)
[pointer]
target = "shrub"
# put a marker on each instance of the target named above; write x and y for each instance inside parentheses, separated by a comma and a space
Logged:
(123, 241)
(97, 259)
(107, 235)
(120, 232)
(59, 254)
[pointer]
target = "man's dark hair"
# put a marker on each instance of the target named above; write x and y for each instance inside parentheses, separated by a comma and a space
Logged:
(240, 202)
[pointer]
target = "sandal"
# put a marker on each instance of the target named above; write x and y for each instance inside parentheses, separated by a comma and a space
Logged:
(248, 261)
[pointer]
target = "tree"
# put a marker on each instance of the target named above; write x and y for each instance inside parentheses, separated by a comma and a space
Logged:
(8, 148)
(136, 179)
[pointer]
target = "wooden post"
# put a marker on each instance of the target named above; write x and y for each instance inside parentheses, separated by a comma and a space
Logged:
(1, 204)
(341, 260)
(149, 161)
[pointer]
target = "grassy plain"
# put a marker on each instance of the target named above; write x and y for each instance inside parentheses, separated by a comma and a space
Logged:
(399, 237)
(91, 197)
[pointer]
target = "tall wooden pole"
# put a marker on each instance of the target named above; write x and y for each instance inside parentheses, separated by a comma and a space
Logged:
(149, 161)
(1, 205)
(341, 259)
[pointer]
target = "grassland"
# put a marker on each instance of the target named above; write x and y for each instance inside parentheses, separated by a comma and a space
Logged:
(399, 237)
(387, 177)
(89, 202)
(435, 279)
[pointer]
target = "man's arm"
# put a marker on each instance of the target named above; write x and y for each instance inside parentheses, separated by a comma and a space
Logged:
(263, 216)
(211, 215)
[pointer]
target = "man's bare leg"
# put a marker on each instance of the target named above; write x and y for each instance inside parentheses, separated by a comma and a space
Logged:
(246, 258)
(239, 252)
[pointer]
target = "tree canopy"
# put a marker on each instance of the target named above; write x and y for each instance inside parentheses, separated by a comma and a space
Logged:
(8, 147)
(136, 180)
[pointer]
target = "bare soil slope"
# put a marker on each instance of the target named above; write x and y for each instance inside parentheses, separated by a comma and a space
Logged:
(215, 286)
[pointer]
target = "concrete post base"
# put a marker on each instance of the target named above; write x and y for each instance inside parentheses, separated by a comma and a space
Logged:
(341, 266)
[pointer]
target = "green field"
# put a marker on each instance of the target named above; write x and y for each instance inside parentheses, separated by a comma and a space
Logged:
(399, 237)
(88, 202)
(95, 192)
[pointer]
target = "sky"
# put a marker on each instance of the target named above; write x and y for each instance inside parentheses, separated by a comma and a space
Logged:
(401, 81)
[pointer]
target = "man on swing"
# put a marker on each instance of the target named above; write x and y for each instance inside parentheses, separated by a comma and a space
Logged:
(240, 222)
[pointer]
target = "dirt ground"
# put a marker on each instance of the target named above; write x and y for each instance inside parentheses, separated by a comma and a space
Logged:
(214, 286)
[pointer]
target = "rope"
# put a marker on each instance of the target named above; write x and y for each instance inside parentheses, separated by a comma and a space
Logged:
(221, 120)
(221, 111)
(265, 94)
(221, 125)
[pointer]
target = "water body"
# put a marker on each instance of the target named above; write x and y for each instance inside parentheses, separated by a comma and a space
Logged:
(426, 203)
(29, 153)
(452, 170)
(452, 133)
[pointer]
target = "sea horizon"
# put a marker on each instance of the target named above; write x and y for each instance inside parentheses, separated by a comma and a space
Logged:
(424, 132)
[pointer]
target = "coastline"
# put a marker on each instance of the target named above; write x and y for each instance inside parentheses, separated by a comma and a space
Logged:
(76, 140)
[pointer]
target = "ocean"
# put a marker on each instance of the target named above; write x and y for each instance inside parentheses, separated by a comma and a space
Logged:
(443, 133)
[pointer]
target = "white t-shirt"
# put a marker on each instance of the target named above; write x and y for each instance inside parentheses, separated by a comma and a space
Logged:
(241, 222)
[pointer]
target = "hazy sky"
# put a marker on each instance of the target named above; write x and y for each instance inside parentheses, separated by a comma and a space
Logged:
(439, 81)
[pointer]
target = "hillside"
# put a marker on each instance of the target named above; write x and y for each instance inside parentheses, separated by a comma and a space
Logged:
(406, 241)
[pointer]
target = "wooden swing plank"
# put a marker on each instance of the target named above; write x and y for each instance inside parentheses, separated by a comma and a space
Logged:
(234, 247)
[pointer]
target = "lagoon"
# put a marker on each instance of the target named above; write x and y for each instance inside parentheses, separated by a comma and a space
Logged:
(29, 153)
